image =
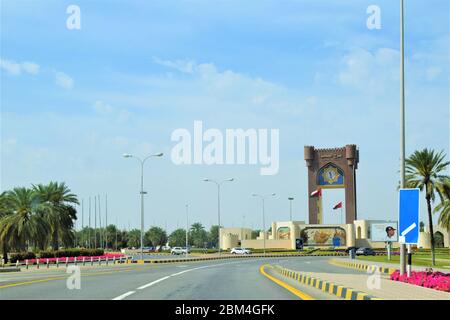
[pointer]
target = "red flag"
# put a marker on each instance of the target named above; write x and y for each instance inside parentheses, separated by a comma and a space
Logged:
(317, 193)
(338, 205)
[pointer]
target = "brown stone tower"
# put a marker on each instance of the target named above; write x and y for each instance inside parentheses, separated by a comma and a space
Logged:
(332, 168)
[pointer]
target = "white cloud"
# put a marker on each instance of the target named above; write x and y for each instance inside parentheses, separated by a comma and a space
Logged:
(31, 67)
(185, 66)
(370, 71)
(102, 107)
(15, 68)
(63, 80)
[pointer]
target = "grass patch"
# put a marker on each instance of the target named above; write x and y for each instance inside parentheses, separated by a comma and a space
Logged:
(422, 260)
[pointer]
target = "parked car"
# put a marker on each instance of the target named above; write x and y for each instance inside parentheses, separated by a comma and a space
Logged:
(365, 252)
(165, 248)
(350, 248)
(238, 250)
(180, 250)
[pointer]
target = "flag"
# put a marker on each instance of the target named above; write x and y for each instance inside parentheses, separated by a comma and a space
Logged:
(317, 193)
(337, 206)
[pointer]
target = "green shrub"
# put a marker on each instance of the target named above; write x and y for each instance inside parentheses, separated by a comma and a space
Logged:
(22, 256)
(46, 254)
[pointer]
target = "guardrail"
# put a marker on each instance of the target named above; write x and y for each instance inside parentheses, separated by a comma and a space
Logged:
(154, 261)
(65, 261)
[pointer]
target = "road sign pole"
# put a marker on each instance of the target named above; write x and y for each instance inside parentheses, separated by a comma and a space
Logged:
(408, 270)
(389, 251)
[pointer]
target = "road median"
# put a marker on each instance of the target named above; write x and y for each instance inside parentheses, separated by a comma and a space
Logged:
(361, 266)
(327, 286)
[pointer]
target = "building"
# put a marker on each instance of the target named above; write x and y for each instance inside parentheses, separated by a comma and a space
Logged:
(283, 234)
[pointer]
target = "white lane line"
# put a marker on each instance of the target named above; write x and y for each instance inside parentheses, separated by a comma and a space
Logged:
(173, 275)
(123, 296)
(152, 283)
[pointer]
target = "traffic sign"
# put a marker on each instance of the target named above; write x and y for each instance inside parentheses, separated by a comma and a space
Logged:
(408, 216)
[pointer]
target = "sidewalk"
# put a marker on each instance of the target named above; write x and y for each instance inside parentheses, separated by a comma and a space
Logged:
(389, 290)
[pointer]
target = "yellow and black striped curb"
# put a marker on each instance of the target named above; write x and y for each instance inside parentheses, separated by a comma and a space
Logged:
(230, 257)
(361, 266)
(326, 286)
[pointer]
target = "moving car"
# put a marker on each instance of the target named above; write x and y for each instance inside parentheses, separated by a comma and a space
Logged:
(239, 250)
(365, 252)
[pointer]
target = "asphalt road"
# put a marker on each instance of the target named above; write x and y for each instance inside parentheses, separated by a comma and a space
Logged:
(205, 280)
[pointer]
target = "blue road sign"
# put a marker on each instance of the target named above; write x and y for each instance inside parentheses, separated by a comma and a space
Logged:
(408, 216)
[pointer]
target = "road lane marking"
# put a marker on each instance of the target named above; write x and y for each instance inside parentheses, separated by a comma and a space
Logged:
(152, 283)
(15, 284)
(123, 296)
(173, 275)
(291, 289)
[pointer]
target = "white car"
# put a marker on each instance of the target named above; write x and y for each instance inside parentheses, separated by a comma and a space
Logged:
(238, 250)
(179, 250)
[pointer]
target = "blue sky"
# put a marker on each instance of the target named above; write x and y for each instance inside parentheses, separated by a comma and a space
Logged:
(73, 101)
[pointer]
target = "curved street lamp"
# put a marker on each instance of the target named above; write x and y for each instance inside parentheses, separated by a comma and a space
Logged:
(142, 162)
(218, 200)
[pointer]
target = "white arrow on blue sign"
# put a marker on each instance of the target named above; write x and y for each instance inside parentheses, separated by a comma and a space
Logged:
(408, 216)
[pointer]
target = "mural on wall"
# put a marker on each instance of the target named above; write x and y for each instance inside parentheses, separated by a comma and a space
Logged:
(326, 236)
(284, 233)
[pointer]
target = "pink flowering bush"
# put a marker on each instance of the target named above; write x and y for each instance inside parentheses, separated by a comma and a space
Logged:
(428, 279)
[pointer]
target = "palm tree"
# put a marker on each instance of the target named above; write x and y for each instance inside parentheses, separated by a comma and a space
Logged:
(56, 208)
(198, 234)
(444, 206)
(23, 225)
(4, 211)
(424, 170)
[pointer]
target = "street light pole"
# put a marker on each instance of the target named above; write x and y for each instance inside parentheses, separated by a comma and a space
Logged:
(290, 207)
(142, 162)
(402, 124)
(218, 202)
(263, 197)
(187, 229)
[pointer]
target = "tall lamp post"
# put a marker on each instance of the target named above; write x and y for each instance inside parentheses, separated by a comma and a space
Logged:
(263, 197)
(187, 229)
(142, 162)
(218, 200)
(290, 207)
(402, 125)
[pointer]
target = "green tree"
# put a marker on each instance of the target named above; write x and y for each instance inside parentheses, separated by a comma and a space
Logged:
(4, 211)
(198, 235)
(424, 170)
(178, 238)
(255, 234)
(55, 205)
(134, 238)
(23, 225)
(157, 236)
(444, 206)
(213, 236)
